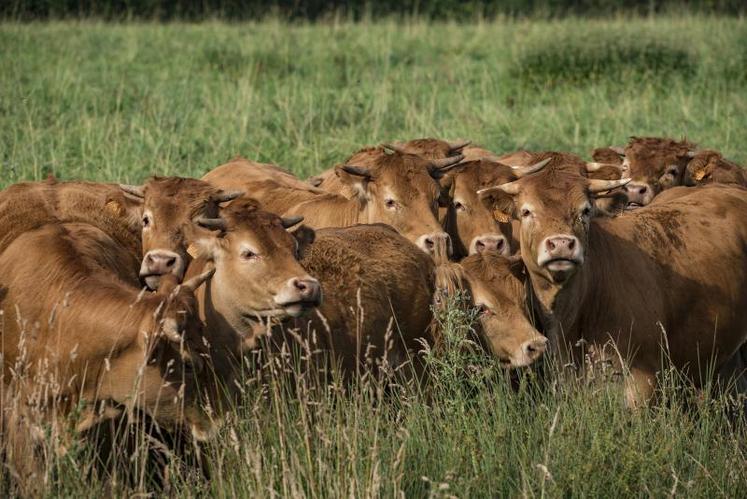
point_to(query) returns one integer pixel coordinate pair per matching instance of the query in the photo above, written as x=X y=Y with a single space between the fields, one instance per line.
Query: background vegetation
x=123 y=101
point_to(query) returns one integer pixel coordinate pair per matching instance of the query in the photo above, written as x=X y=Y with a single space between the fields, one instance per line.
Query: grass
x=121 y=102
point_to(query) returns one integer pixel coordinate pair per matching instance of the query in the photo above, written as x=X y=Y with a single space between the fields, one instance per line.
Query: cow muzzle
x=299 y=295
x=528 y=352
x=157 y=263
x=639 y=194
x=436 y=244
x=490 y=242
x=560 y=255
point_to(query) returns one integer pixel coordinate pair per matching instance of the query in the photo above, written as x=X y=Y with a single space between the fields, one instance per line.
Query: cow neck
x=332 y=210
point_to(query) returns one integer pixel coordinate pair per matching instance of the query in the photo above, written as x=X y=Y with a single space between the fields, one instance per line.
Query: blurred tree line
x=355 y=9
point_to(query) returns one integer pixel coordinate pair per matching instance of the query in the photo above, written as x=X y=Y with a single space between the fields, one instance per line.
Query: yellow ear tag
x=113 y=207
x=192 y=251
x=700 y=174
x=501 y=216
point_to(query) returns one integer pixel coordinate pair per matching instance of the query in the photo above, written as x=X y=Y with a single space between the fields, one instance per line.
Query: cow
x=82 y=335
x=495 y=285
x=654 y=164
x=469 y=219
x=473 y=153
x=708 y=166
x=397 y=189
x=669 y=275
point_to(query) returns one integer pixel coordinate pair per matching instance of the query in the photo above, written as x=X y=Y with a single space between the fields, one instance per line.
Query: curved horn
x=211 y=223
x=223 y=196
x=606 y=185
x=691 y=154
x=395 y=148
x=195 y=282
x=446 y=162
x=593 y=166
x=289 y=222
x=456 y=146
x=523 y=171
x=617 y=149
x=508 y=188
x=356 y=170
x=515 y=258
x=135 y=190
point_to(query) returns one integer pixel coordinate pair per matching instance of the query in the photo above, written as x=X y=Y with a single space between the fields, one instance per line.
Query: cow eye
x=525 y=213
x=459 y=206
x=484 y=311
x=146 y=220
x=586 y=211
x=248 y=255
x=390 y=203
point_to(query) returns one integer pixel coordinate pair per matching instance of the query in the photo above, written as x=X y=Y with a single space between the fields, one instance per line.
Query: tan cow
x=82 y=333
x=495 y=285
x=670 y=274
x=398 y=189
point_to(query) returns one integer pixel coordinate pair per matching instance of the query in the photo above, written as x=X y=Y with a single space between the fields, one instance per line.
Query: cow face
x=654 y=165
x=174 y=211
x=258 y=274
x=401 y=190
x=554 y=206
x=471 y=220
x=495 y=286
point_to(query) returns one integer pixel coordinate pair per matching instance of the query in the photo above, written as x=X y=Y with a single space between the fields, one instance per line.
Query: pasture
x=121 y=102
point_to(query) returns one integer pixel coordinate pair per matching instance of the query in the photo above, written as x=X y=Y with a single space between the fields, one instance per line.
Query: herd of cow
x=118 y=298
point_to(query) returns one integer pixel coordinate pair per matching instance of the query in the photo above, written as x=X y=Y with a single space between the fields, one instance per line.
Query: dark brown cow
x=172 y=211
x=707 y=167
x=669 y=274
x=83 y=334
x=654 y=164
x=398 y=189
x=471 y=220
x=496 y=286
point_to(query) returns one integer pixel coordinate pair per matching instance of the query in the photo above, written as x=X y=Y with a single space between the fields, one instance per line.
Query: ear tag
x=192 y=251
x=501 y=216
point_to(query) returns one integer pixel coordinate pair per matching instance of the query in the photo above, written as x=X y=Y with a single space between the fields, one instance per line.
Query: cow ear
x=447 y=186
x=355 y=177
x=205 y=243
x=305 y=236
x=124 y=207
x=611 y=205
x=501 y=203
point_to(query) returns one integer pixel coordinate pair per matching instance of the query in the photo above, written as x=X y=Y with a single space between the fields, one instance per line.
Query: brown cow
x=709 y=166
x=173 y=210
x=398 y=189
x=469 y=219
x=83 y=333
x=669 y=274
x=496 y=286
x=654 y=164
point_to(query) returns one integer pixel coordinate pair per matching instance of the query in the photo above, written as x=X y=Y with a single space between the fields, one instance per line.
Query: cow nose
x=497 y=243
x=436 y=244
x=637 y=192
x=533 y=349
x=561 y=246
x=308 y=289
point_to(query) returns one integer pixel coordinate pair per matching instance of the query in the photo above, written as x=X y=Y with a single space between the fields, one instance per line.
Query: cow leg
x=639 y=388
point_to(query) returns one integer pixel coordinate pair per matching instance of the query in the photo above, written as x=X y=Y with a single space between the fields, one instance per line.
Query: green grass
x=121 y=102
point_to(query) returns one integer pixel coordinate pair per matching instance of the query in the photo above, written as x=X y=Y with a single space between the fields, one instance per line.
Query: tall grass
x=121 y=102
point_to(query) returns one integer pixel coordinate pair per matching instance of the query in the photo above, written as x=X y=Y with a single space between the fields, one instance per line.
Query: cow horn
x=135 y=190
x=223 y=196
x=523 y=171
x=289 y=222
x=593 y=166
x=508 y=188
x=195 y=282
x=691 y=154
x=447 y=162
x=457 y=146
x=395 y=148
x=596 y=185
x=515 y=258
x=356 y=170
x=617 y=149
x=211 y=223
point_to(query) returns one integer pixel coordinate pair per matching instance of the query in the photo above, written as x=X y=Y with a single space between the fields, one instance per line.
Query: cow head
x=256 y=257
x=471 y=220
x=429 y=148
x=495 y=286
x=554 y=203
x=654 y=164
x=174 y=210
x=402 y=190
x=708 y=166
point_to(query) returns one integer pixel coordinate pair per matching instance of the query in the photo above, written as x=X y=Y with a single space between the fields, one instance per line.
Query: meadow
x=120 y=102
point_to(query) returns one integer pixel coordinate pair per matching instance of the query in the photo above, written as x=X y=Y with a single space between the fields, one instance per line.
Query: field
x=120 y=102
